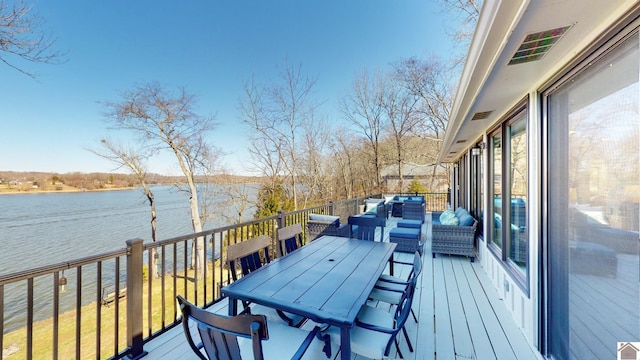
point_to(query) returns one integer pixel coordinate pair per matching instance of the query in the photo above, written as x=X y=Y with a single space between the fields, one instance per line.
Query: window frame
x=501 y=253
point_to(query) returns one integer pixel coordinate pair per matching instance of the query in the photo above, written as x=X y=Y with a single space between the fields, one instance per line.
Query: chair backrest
x=219 y=334
x=249 y=255
x=404 y=307
x=289 y=239
x=367 y=227
x=417 y=265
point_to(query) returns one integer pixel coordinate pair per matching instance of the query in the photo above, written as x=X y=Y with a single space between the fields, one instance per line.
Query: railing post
x=330 y=207
x=280 y=219
x=134 y=299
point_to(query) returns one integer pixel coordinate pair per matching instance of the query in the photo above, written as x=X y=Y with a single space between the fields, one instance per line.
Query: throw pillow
x=371 y=208
x=466 y=220
x=450 y=220
x=446 y=216
x=461 y=211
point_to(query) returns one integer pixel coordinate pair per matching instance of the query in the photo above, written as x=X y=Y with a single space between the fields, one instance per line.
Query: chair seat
x=390 y=297
x=406 y=223
x=405 y=233
x=283 y=343
x=272 y=314
x=391 y=278
x=364 y=342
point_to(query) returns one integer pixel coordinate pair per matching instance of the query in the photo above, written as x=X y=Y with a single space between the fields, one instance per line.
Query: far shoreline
x=40 y=191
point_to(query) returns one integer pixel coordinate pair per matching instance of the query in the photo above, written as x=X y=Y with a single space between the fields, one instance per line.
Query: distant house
x=434 y=177
x=546 y=119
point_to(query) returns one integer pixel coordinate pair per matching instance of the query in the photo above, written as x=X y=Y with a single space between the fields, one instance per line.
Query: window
x=496 y=180
x=517 y=212
x=477 y=194
x=508 y=154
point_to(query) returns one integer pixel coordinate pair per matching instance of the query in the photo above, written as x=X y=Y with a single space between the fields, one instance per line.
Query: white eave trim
x=476 y=71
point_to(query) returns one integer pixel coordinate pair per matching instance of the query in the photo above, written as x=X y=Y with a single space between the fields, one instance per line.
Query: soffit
x=488 y=83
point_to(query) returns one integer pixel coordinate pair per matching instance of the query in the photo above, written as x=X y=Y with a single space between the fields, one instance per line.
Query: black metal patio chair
x=247 y=336
x=289 y=239
x=366 y=227
x=251 y=255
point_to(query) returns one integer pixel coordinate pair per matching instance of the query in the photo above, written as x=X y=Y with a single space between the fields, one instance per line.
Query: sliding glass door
x=593 y=194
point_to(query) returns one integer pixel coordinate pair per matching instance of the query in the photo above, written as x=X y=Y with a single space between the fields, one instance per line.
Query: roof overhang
x=491 y=87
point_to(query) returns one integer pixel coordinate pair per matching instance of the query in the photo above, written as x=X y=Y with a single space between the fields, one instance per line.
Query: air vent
x=461 y=141
x=535 y=46
x=481 y=115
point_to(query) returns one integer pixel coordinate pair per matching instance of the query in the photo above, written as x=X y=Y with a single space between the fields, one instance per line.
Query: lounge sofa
x=319 y=225
x=454 y=233
x=376 y=207
x=396 y=205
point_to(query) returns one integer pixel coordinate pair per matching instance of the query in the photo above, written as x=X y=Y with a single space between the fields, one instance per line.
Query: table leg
x=233 y=307
x=391 y=265
x=345 y=343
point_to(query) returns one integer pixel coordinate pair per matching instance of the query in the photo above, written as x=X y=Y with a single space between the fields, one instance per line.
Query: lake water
x=49 y=228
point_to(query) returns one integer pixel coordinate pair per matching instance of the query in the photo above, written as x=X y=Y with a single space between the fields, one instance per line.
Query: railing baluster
x=78 y=310
x=99 y=306
x=56 y=313
x=175 y=279
x=150 y=275
x=30 y=318
x=1 y=318
x=196 y=270
x=186 y=271
x=162 y=282
x=205 y=271
x=116 y=310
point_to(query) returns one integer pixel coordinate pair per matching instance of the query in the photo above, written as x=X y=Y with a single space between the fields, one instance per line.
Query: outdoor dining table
x=327 y=281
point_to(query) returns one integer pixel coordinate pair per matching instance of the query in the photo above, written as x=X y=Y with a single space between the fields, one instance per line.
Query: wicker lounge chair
x=319 y=225
x=454 y=239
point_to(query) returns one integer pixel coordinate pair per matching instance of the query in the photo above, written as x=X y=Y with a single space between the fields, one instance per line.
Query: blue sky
x=209 y=47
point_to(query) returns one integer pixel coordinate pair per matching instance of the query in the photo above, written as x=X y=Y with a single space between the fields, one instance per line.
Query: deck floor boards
x=460 y=315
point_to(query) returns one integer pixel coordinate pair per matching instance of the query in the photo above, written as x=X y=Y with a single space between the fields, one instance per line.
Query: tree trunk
x=198 y=255
x=154 y=235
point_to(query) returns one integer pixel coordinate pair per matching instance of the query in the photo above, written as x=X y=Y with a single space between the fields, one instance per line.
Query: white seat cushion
x=283 y=343
x=364 y=342
x=390 y=297
x=388 y=278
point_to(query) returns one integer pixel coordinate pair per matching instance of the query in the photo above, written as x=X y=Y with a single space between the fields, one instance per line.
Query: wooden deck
x=460 y=316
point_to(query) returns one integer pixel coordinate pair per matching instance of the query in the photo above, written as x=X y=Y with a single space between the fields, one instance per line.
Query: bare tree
x=400 y=107
x=276 y=115
x=344 y=150
x=22 y=37
x=431 y=81
x=463 y=16
x=265 y=149
x=134 y=161
x=364 y=108
x=164 y=120
x=234 y=197
x=315 y=175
